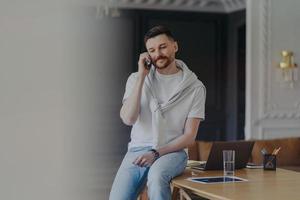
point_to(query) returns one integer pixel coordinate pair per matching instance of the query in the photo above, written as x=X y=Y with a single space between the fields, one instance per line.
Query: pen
x=276 y=151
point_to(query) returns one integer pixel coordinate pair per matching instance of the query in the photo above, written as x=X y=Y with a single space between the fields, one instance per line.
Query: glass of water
x=228 y=162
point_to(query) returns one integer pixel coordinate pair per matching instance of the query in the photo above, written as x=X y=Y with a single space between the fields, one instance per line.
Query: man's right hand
x=143 y=71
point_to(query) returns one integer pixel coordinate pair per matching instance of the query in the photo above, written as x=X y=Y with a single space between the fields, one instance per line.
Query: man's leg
x=162 y=171
x=130 y=178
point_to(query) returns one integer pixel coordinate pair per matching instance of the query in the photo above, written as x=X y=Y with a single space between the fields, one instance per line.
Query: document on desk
x=195 y=164
x=192 y=163
x=216 y=179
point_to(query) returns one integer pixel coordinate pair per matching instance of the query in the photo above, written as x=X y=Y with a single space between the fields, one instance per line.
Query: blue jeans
x=131 y=179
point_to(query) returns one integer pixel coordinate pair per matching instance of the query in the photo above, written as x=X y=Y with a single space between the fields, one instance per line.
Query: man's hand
x=145 y=160
x=143 y=71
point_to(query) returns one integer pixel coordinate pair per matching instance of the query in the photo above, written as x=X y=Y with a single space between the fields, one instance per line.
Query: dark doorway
x=241 y=69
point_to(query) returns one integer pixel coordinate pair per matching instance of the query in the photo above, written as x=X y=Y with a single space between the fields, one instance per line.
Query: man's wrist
x=141 y=76
x=155 y=153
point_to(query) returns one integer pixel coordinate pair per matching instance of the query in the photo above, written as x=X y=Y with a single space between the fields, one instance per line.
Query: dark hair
x=158 y=30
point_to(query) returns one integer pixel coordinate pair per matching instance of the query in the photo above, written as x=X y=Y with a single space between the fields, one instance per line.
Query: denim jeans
x=131 y=179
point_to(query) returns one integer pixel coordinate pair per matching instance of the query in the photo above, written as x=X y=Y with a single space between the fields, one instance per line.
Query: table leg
x=175 y=193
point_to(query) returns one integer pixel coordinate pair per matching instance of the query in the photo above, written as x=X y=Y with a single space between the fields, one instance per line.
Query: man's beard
x=165 y=65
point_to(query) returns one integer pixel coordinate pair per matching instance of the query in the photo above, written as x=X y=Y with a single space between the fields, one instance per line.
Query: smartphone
x=148 y=63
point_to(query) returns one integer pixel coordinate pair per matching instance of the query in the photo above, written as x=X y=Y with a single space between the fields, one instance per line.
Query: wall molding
x=269 y=113
x=222 y=6
x=277 y=132
x=270 y=110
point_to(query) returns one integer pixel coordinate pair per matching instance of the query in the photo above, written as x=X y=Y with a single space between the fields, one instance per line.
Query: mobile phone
x=148 y=63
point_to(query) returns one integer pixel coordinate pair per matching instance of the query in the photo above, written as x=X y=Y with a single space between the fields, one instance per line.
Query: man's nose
x=157 y=54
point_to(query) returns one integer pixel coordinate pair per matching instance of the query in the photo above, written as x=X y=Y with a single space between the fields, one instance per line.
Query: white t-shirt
x=193 y=106
x=164 y=85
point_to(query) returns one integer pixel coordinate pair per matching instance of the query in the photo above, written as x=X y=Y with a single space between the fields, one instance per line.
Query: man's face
x=161 y=50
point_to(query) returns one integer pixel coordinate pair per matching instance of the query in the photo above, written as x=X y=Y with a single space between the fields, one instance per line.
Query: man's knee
x=158 y=178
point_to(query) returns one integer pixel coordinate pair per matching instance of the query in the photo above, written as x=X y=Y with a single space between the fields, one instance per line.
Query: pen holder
x=269 y=162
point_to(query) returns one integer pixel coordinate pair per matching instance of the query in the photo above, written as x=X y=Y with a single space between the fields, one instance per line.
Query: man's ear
x=176 y=46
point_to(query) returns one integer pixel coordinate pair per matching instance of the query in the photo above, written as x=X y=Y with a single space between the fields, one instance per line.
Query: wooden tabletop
x=261 y=184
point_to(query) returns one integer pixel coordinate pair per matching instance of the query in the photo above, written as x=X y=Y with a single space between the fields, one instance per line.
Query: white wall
x=62 y=76
x=272 y=107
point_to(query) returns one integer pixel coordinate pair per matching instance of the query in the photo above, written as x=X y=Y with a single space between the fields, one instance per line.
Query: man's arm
x=131 y=107
x=183 y=141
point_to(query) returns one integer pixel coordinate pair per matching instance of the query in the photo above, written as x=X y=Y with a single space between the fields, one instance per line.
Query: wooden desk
x=261 y=184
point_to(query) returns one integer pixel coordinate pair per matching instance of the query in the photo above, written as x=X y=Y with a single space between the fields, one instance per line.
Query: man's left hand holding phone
x=144 y=64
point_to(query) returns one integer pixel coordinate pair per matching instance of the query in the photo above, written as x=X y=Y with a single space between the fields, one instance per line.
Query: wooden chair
x=177 y=192
x=143 y=194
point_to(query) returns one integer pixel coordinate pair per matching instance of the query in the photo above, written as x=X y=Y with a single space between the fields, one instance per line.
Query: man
x=164 y=102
